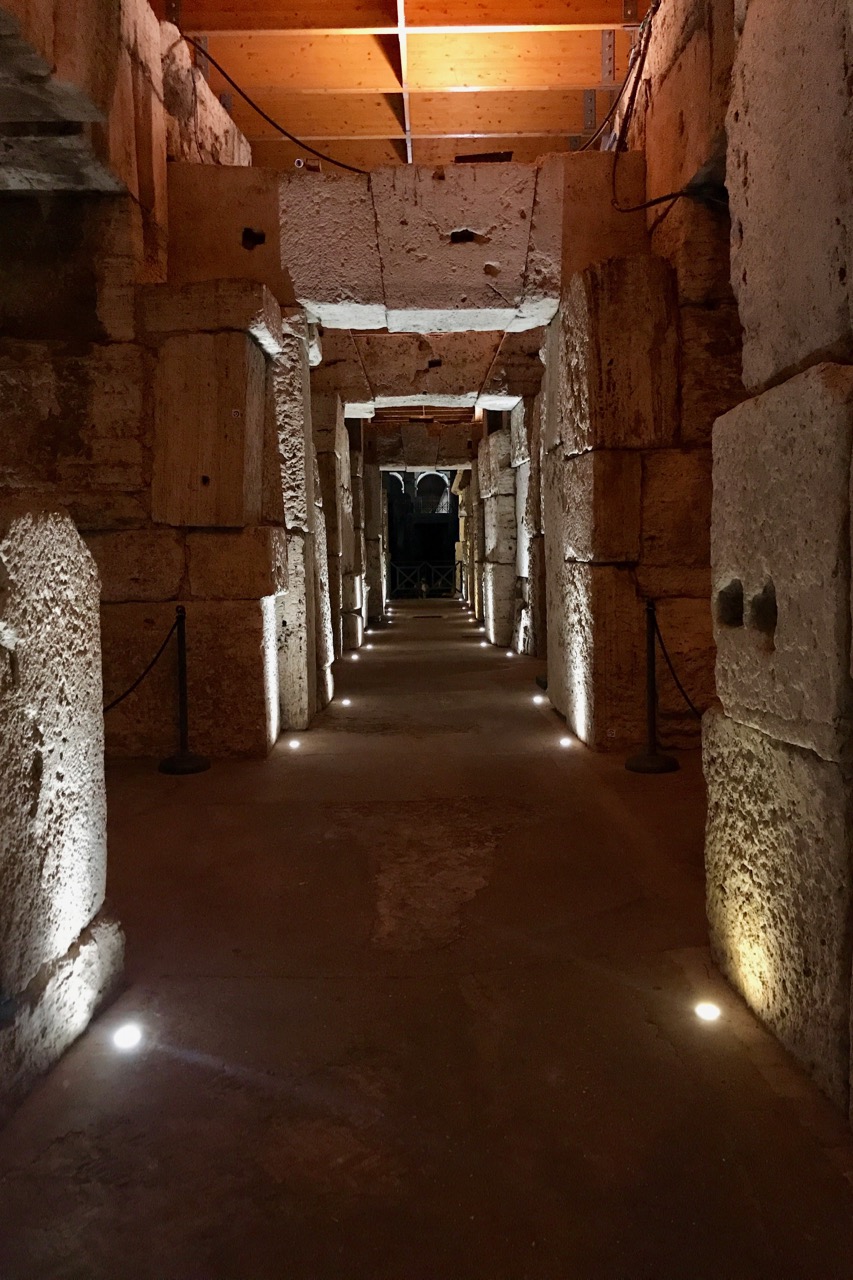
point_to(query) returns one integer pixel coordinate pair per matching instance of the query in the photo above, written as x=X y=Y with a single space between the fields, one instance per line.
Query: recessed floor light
x=128 y=1036
x=294 y=744
x=510 y=653
x=368 y=646
x=565 y=742
x=707 y=1011
x=354 y=657
x=484 y=644
x=538 y=699
x=346 y=702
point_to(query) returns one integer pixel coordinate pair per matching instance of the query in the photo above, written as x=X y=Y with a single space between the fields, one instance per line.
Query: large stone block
x=209 y=306
x=329 y=242
x=295 y=627
x=224 y=223
x=289 y=425
x=499 y=582
x=232 y=677
x=596 y=653
x=53 y=814
x=779 y=890
x=139 y=564
x=790 y=181
x=676 y=507
x=501 y=528
x=616 y=353
x=593 y=230
x=237 y=564
x=210 y=394
x=781 y=560
x=711 y=377
x=592 y=503
x=198 y=128
x=687 y=629
x=453 y=244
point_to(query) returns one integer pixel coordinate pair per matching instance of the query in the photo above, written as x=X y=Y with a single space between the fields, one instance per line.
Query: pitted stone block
x=781 y=560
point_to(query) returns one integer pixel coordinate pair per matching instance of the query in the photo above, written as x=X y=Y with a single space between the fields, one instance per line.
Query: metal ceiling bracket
x=608 y=57
x=589 y=109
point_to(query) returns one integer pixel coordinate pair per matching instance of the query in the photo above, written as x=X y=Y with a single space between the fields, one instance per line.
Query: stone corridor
x=417 y=1004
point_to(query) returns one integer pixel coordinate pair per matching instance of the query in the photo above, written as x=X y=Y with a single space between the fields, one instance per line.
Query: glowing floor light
x=707 y=1011
x=354 y=657
x=510 y=653
x=128 y=1036
x=368 y=646
x=294 y=744
x=538 y=699
x=484 y=644
x=565 y=742
x=346 y=702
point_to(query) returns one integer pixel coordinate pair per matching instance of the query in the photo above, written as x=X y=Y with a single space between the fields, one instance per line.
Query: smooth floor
x=417 y=1003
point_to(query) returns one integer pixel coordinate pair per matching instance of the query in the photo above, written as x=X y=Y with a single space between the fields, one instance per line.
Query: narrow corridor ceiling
x=379 y=82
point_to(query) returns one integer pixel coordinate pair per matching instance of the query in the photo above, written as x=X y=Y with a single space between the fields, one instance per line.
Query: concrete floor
x=417 y=1005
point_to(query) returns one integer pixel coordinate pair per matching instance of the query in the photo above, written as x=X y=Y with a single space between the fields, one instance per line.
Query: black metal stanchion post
x=184 y=761
x=651 y=760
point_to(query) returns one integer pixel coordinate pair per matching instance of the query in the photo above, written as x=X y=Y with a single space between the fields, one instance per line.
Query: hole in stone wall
x=251 y=239
x=464 y=235
x=730 y=605
x=763 y=613
x=434 y=364
x=205 y=480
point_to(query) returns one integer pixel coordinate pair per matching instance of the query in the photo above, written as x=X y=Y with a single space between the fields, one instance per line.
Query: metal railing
x=424 y=579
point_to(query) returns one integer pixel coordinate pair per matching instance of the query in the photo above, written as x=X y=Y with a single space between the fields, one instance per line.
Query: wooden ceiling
x=375 y=82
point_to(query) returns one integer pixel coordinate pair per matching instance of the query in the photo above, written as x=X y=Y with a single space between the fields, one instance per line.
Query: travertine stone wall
x=354 y=590
x=333 y=463
x=496 y=479
x=626 y=500
x=198 y=128
x=777 y=757
x=375 y=545
x=529 y=622
x=60 y=955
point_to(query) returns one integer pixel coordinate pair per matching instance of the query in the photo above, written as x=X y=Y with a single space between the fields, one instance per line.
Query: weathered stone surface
x=616 y=381
x=681 y=128
x=515 y=371
x=790 y=170
x=676 y=507
x=596 y=676
x=593 y=230
x=779 y=890
x=500 y=525
x=139 y=564
x=295 y=629
x=710 y=359
x=210 y=306
x=543 y=269
x=211 y=210
x=342 y=373
x=789 y=675
x=499 y=583
x=198 y=128
x=522 y=527
x=323 y=632
x=329 y=242
x=210 y=391
x=434 y=282
x=687 y=629
x=593 y=504
x=289 y=407
x=232 y=667
x=238 y=564
x=495 y=474
x=519 y=450
x=436 y=369
x=53 y=806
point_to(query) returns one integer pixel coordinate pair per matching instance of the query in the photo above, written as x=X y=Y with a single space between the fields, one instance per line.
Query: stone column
x=60 y=955
x=497 y=486
x=374 y=523
x=477 y=552
x=354 y=595
x=332 y=445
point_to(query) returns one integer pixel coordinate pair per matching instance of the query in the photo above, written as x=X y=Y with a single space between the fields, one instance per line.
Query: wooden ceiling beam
x=534 y=60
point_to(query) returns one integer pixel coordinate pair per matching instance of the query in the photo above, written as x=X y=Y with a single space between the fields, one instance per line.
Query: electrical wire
x=199 y=48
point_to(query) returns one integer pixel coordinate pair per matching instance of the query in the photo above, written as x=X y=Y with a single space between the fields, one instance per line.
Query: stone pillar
x=477 y=551
x=497 y=487
x=374 y=527
x=60 y=956
x=354 y=594
x=332 y=445
x=626 y=507
x=777 y=757
x=324 y=631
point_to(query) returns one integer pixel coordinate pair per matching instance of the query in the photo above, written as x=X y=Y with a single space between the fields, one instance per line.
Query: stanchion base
x=655 y=763
x=184 y=763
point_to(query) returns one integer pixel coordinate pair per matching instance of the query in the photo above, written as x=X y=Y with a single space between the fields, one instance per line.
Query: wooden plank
x=287 y=15
x=328 y=115
x=314 y=64
x=520 y=13
x=445 y=150
x=533 y=60
x=454 y=114
x=364 y=154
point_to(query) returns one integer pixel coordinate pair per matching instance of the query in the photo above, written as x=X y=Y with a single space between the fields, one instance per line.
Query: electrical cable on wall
x=340 y=164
